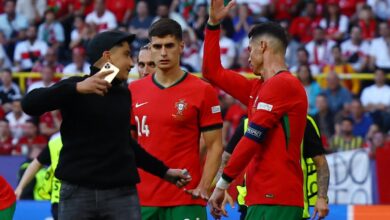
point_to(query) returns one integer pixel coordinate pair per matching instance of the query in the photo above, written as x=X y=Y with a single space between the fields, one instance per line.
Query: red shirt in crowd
x=303 y=28
x=368 y=29
x=119 y=8
x=282 y=9
x=277 y=111
x=6 y=146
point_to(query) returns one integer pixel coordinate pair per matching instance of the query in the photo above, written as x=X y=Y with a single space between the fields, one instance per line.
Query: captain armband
x=255 y=132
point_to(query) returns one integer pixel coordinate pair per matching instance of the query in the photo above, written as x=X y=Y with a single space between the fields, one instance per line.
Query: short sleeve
x=312 y=144
x=44 y=156
x=210 y=110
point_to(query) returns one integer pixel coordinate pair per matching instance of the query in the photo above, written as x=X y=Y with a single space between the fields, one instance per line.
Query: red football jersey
x=169 y=122
x=277 y=111
x=7 y=195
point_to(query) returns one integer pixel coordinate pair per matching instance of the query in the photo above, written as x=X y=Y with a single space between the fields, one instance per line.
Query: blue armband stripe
x=255 y=132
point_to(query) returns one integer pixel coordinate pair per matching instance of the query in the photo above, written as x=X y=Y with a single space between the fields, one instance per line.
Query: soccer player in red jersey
x=171 y=109
x=277 y=108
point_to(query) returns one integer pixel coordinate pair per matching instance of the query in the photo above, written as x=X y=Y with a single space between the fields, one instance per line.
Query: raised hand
x=95 y=84
x=218 y=11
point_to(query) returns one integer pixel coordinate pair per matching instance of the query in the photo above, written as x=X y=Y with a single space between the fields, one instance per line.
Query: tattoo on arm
x=322 y=175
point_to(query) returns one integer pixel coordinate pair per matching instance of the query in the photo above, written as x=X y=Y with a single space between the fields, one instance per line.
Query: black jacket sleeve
x=312 y=144
x=147 y=162
x=238 y=133
x=44 y=156
x=43 y=100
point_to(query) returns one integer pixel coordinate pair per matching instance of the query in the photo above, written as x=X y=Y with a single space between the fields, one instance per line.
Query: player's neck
x=273 y=67
x=167 y=78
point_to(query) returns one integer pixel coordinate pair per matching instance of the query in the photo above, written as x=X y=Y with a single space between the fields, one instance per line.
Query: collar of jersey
x=174 y=84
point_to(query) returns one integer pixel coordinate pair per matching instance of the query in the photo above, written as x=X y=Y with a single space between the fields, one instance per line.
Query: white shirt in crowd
x=23 y=49
x=72 y=69
x=17 y=125
x=105 y=22
x=26 y=8
x=381 y=51
x=376 y=95
x=322 y=52
x=349 y=48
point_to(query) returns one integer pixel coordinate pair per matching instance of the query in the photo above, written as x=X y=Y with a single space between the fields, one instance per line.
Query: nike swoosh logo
x=139 y=105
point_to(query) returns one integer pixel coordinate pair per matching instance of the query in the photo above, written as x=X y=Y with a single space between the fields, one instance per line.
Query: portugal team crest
x=180 y=106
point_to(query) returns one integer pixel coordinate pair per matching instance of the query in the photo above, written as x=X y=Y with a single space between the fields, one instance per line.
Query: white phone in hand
x=109 y=66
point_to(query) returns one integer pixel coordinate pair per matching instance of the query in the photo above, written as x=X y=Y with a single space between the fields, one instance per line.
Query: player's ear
x=181 y=46
x=263 y=45
x=106 y=56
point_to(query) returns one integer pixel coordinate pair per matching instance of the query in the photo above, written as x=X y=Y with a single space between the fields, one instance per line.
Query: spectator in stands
x=242 y=23
x=378 y=140
x=49 y=123
x=17 y=120
x=200 y=20
x=51 y=31
x=9 y=91
x=334 y=23
x=32 y=10
x=122 y=10
x=367 y=23
x=355 y=50
x=302 y=27
x=47 y=79
x=377 y=97
x=50 y=59
x=311 y=87
x=362 y=121
x=29 y=51
x=380 y=48
x=82 y=33
x=381 y=8
x=242 y=64
x=228 y=49
x=190 y=55
x=32 y=142
x=163 y=11
x=145 y=63
x=82 y=8
x=325 y=118
x=12 y=25
x=79 y=64
x=303 y=60
x=6 y=146
x=345 y=140
x=4 y=59
x=336 y=94
x=139 y=25
x=283 y=9
x=349 y=7
x=101 y=17
x=319 y=48
x=339 y=66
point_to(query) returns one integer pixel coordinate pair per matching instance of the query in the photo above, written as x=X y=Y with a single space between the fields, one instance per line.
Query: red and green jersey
x=169 y=122
x=277 y=111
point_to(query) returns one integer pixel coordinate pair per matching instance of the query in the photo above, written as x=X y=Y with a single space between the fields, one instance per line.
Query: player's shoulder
x=197 y=81
x=140 y=82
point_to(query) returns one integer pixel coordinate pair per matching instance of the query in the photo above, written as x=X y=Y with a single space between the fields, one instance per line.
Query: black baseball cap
x=105 y=41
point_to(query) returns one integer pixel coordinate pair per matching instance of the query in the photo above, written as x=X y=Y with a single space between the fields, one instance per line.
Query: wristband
x=222 y=184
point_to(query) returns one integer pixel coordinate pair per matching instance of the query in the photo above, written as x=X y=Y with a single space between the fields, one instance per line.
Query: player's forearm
x=322 y=175
x=29 y=174
x=240 y=158
x=213 y=161
x=225 y=159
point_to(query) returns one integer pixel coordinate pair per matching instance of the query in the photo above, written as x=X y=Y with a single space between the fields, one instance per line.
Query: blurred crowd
x=327 y=37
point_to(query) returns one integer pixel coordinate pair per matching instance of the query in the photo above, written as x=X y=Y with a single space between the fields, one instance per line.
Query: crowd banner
x=350 y=177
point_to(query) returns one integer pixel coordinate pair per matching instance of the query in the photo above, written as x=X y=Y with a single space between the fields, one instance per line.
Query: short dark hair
x=270 y=28
x=303 y=49
x=6 y=70
x=347 y=119
x=164 y=27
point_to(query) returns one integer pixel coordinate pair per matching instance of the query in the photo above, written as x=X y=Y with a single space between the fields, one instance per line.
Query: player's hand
x=227 y=199
x=178 y=177
x=95 y=84
x=218 y=11
x=321 y=208
x=215 y=203
x=199 y=193
x=18 y=192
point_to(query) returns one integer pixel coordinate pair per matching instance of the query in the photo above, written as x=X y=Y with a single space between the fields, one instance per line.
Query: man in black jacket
x=98 y=162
